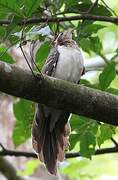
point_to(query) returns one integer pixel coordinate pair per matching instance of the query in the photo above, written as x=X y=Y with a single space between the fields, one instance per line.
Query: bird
x=50 y=128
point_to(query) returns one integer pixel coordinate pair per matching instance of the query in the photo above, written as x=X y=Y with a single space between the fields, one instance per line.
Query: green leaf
x=56 y=5
x=11 y=6
x=14 y=39
x=101 y=10
x=112 y=91
x=76 y=122
x=96 y=45
x=80 y=124
x=53 y=27
x=4 y=56
x=85 y=44
x=87 y=144
x=82 y=128
x=70 y=3
x=85 y=82
x=2 y=33
x=73 y=2
x=30 y=6
x=107 y=75
x=24 y=113
x=89 y=44
x=73 y=139
x=73 y=6
x=92 y=28
x=84 y=7
x=2 y=13
x=105 y=133
x=42 y=54
x=10 y=28
x=88 y=84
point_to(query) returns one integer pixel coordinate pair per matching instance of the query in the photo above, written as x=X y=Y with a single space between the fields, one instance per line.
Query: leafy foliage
x=11 y=6
x=24 y=114
x=83 y=130
x=112 y=91
x=93 y=42
x=89 y=134
x=83 y=6
x=4 y=56
x=30 y=7
x=105 y=132
x=42 y=54
x=87 y=144
x=107 y=76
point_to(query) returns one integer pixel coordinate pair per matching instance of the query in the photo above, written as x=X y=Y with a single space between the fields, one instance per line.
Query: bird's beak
x=55 y=40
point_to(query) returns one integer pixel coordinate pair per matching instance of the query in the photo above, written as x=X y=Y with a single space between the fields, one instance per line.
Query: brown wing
x=51 y=63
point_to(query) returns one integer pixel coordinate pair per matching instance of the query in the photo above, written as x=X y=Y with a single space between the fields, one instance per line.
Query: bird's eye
x=61 y=34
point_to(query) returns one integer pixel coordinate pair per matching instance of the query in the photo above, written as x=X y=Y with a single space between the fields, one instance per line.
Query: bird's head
x=64 y=38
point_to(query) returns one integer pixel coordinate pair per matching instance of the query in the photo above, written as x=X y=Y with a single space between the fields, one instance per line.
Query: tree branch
x=98 y=152
x=68 y=155
x=65 y=18
x=7 y=152
x=8 y=170
x=59 y=94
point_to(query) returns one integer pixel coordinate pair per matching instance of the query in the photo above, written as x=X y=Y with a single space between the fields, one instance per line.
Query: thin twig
x=3 y=148
x=104 y=58
x=97 y=152
x=25 y=57
x=26 y=60
x=62 y=19
x=68 y=155
x=114 y=141
x=32 y=59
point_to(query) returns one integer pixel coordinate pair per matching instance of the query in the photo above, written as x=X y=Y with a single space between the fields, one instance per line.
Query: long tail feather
x=49 y=143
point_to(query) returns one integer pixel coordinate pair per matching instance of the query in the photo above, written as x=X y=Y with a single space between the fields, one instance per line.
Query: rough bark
x=59 y=94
